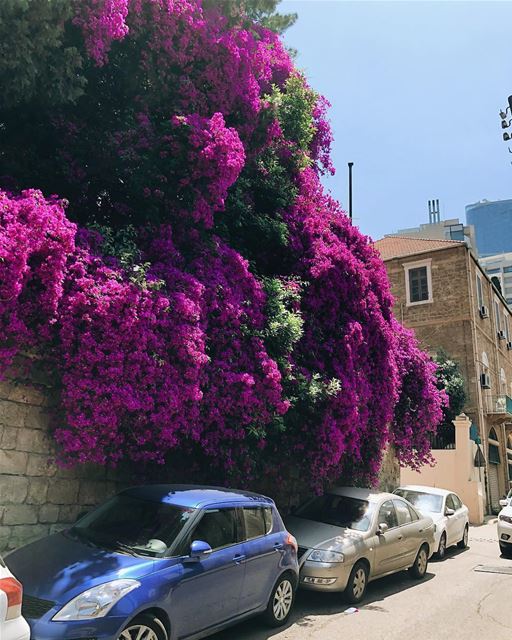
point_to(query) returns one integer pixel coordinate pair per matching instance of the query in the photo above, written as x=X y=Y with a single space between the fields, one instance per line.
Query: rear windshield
x=340 y=511
x=423 y=501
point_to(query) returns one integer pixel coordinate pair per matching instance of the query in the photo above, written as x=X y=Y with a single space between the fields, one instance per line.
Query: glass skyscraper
x=493 y=226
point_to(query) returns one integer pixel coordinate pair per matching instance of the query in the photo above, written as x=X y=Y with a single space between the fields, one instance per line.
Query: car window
x=257 y=521
x=414 y=514
x=428 y=502
x=450 y=504
x=387 y=514
x=2 y=563
x=340 y=511
x=456 y=501
x=402 y=512
x=217 y=527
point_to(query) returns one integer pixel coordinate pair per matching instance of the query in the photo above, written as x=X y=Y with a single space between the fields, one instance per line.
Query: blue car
x=160 y=562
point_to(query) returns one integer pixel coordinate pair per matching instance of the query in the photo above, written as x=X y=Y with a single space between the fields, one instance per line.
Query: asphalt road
x=453 y=601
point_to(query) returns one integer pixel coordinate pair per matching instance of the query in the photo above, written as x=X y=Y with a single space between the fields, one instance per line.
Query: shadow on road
x=310 y=604
x=451 y=553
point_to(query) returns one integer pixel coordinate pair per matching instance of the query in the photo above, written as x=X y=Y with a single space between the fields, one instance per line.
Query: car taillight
x=14 y=592
x=292 y=542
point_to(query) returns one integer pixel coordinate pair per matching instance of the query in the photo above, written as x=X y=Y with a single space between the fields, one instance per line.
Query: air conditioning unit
x=484 y=311
x=509 y=346
x=501 y=334
x=485 y=381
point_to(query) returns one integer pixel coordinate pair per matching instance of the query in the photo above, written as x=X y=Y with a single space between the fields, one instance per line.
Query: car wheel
x=419 y=568
x=144 y=627
x=357 y=583
x=441 y=550
x=462 y=544
x=505 y=549
x=281 y=601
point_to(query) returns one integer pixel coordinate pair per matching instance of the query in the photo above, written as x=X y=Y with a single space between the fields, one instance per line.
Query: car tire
x=280 y=603
x=462 y=544
x=441 y=550
x=419 y=568
x=357 y=583
x=155 y=629
x=506 y=549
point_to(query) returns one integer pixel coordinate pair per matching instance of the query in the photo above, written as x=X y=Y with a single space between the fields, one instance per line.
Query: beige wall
x=454 y=470
x=37 y=497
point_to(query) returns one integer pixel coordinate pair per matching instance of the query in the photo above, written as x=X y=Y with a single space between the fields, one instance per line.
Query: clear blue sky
x=415 y=89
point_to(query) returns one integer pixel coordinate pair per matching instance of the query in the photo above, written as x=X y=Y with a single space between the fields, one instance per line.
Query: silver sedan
x=350 y=536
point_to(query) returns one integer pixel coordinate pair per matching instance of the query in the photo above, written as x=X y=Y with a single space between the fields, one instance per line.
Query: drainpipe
x=479 y=398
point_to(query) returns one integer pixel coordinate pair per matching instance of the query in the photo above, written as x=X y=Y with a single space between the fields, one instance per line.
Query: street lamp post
x=350 y=165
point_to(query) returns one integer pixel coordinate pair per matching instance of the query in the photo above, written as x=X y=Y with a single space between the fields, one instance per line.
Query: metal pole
x=350 y=165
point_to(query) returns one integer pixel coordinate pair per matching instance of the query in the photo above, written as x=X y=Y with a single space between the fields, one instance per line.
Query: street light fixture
x=506 y=136
x=505 y=124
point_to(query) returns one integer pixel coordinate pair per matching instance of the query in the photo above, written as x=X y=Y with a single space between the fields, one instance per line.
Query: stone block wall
x=36 y=496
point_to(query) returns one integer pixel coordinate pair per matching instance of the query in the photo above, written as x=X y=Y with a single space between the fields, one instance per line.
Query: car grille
x=35 y=607
x=301 y=551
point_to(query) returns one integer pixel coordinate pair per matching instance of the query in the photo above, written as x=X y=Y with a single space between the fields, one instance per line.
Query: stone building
x=443 y=293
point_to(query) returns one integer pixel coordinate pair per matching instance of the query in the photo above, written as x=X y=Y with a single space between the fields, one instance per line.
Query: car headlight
x=321 y=555
x=506 y=519
x=95 y=602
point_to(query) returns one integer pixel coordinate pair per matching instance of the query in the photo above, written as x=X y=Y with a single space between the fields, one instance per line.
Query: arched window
x=493 y=435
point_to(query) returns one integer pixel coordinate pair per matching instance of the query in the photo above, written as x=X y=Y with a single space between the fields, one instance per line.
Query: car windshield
x=430 y=502
x=341 y=511
x=133 y=525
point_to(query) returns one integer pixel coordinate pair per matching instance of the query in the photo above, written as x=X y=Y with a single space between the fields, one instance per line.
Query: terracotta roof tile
x=399 y=246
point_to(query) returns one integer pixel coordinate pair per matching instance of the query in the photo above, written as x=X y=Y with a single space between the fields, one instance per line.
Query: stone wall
x=37 y=497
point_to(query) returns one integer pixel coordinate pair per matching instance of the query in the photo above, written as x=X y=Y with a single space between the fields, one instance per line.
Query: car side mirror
x=382 y=528
x=503 y=503
x=198 y=550
x=449 y=512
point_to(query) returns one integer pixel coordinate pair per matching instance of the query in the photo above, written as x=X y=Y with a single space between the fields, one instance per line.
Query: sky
x=416 y=89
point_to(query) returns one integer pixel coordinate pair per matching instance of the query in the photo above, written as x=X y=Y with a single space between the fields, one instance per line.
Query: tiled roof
x=400 y=246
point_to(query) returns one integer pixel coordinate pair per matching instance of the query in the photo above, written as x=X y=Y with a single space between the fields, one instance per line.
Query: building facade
x=500 y=267
x=492 y=221
x=443 y=293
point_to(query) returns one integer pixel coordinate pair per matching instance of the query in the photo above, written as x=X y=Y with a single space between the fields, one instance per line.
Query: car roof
x=424 y=489
x=371 y=495
x=193 y=496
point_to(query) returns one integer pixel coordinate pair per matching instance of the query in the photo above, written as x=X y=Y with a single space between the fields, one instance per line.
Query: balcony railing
x=499 y=405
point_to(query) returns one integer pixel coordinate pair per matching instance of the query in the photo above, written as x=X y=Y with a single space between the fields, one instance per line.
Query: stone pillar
x=470 y=488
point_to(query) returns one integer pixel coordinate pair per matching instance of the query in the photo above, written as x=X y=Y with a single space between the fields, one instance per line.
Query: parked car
x=450 y=516
x=505 y=526
x=12 y=624
x=158 y=563
x=349 y=536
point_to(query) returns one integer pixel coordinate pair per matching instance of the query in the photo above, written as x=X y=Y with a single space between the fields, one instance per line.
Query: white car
x=505 y=525
x=12 y=624
x=450 y=516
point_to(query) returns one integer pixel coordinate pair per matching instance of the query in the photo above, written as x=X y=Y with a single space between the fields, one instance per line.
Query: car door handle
x=278 y=545
x=239 y=559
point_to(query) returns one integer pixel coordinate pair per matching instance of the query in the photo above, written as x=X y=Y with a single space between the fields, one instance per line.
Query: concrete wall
x=36 y=497
x=454 y=470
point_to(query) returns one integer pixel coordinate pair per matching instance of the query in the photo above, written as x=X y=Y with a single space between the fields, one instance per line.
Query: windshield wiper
x=121 y=546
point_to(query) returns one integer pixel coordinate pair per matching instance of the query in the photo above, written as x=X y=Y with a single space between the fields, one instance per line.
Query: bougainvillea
x=201 y=301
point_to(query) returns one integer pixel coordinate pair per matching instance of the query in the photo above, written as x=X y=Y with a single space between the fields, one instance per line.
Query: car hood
x=435 y=515
x=318 y=535
x=59 y=568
